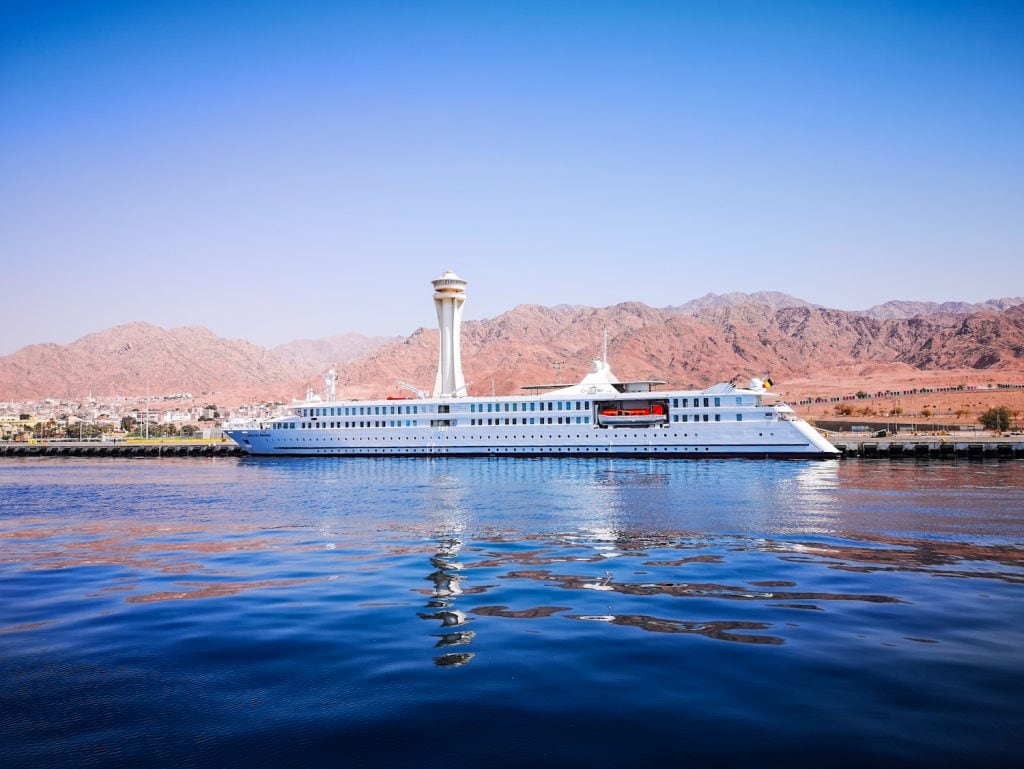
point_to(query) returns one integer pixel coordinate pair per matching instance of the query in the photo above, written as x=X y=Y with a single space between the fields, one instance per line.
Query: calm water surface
x=444 y=613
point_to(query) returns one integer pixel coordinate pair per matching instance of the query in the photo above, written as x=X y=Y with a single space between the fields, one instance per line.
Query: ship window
x=686 y=417
x=551 y=407
x=705 y=417
x=533 y=420
x=675 y=403
x=675 y=417
x=515 y=407
x=718 y=417
x=489 y=408
x=739 y=401
x=533 y=407
x=586 y=420
x=718 y=401
x=579 y=420
x=506 y=407
x=578 y=406
x=506 y=418
x=705 y=406
x=686 y=402
x=739 y=417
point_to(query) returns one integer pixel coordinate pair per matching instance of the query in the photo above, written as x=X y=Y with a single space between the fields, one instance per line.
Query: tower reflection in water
x=447 y=589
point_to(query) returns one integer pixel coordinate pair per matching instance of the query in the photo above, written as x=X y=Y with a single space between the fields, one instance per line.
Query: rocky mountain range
x=904 y=309
x=307 y=354
x=897 y=308
x=689 y=345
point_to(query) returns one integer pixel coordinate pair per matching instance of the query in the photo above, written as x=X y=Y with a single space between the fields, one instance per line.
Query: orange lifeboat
x=649 y=415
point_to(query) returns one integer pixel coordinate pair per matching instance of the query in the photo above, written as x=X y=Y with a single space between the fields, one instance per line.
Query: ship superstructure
x=599 y=416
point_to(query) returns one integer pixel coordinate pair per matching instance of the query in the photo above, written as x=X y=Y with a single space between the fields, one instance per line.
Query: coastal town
x=113 y=418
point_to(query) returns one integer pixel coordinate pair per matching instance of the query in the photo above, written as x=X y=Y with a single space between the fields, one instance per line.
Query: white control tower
x=449 y=296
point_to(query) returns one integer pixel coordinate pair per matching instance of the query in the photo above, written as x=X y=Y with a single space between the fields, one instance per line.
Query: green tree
x=189 y=430
x=90 y=430
x=996 y=418
x=128 y=423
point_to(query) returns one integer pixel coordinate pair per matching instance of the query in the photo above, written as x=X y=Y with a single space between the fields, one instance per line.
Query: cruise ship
x=599 y=416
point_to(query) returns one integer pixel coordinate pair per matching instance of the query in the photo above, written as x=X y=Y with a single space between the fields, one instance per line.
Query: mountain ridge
x=708 y=342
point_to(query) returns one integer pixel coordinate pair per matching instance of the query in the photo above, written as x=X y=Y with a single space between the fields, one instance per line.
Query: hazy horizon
x=296 y=170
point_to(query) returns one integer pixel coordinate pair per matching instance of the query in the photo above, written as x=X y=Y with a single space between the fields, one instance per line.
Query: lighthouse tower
x=449 y=296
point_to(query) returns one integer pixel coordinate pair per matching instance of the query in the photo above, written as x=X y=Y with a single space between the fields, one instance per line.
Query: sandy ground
x=956 y=407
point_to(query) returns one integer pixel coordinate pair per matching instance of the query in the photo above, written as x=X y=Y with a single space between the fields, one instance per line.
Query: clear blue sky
x=275 y=170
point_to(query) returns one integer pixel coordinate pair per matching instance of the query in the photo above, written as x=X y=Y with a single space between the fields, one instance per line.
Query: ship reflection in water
x=342 y=590
x=441 y=606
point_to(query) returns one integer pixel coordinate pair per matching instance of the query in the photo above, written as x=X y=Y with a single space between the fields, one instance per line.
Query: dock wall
x=928 y=448
x=119 y=450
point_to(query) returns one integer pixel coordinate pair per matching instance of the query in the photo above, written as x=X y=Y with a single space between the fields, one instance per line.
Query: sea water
x=553 y=612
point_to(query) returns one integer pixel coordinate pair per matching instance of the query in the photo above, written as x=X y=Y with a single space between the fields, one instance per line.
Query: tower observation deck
x=449 y=297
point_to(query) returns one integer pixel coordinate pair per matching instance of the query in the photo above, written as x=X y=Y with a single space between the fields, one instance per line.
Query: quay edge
x=930 y=448
x=120 y=450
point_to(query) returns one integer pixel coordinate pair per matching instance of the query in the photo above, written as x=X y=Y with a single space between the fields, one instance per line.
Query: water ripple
x=206 y=614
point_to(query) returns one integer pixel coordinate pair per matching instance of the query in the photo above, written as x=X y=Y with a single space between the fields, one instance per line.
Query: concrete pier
x=101 y=449
x=928 y=447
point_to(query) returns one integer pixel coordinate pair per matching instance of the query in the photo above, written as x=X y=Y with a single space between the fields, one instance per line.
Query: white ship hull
x=352 y=428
